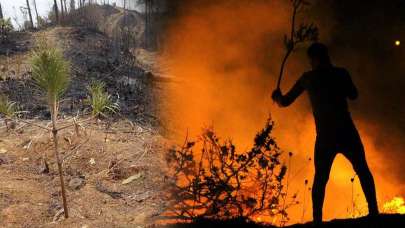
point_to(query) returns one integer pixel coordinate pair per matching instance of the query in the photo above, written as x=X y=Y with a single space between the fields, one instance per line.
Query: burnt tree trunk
x=72 y=5
x=30 y=14
x=1 y=12
x=148 y=22
x=55 y=5
x=64 y=4
x=36 y=12
x=61 y=9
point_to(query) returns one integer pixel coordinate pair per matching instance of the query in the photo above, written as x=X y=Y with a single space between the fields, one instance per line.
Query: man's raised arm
x=289 y=98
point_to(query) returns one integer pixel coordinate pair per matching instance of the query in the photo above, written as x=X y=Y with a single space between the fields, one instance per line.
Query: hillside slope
x=113 y=169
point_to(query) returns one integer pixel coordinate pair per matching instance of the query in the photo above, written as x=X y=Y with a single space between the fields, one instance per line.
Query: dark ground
x=383 y=221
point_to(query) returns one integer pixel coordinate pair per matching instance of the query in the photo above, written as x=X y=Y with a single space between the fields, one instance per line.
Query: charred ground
x=113 y=169
x=393 y=220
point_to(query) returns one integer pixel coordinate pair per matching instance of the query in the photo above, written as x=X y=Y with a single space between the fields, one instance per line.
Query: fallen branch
x=103 y=189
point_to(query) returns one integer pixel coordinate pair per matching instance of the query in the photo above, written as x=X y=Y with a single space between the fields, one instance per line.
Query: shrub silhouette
x=213 y=180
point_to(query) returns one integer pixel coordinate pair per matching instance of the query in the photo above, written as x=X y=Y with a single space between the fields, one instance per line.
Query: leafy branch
x=304 y=33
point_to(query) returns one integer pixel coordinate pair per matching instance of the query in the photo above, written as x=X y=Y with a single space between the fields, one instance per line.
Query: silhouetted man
x=328 y=88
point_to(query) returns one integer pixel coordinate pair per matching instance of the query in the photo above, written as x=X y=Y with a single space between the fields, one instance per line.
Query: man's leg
x=323 y=163
x=356 y=156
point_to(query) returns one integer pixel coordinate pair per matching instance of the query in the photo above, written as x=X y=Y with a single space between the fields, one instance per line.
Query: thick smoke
x=225 y=56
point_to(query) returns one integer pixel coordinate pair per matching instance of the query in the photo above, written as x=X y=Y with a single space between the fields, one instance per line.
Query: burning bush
x=218 y=182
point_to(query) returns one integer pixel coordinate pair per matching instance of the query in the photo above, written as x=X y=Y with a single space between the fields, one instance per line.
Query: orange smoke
x=224 y=58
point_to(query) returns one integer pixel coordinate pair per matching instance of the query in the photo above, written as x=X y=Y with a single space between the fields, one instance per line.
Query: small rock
x=26 y=159
x=76 y=183
x=3 y=151
x=92 y=161
x=132 y=178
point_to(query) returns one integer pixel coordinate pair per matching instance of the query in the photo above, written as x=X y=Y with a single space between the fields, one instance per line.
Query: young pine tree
x=50 y=73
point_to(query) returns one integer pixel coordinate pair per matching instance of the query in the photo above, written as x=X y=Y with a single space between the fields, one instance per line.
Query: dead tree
x=148 y=22
x=64 y=3
x=36 y=12
x=29 y=14
x=72 y=5
x=62 y=10
x=55 y=7
x=1 y=12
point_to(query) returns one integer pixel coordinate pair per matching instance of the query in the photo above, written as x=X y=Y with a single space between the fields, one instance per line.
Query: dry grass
x=135 y=150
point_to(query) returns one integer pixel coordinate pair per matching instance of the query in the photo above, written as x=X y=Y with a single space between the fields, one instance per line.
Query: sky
x=12 y=8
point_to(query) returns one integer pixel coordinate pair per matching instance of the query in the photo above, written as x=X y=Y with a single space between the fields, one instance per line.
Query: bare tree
x=64 y=3
x=148 y=21
x=1 y=12
x=62 y=10
x=72 y=5
x=36 y=11
x=55 y=6
x=29 y=14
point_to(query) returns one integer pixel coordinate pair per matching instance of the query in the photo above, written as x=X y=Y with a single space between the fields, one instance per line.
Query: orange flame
x=225 y=58
x=395 y=206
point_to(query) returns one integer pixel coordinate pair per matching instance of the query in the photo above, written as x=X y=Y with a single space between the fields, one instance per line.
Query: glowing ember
x=397 y=43
x=396 y=205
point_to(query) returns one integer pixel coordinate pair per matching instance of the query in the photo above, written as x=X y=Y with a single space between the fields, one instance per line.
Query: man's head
x=318 y=55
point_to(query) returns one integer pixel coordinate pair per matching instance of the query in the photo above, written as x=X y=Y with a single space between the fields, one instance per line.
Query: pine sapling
x=50 y=73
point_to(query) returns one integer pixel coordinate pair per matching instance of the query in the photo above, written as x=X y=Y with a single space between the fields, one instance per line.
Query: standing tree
x=36 y=12
x=148 y=22
x=1 y=12
x=50 y=72
x=62 y=10
x=72 y=5
x=64 y=4
x=55 y=7
x=30 y=14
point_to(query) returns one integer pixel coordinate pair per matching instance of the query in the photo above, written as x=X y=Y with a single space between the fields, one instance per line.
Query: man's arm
x=349 y=87
x=289 y=98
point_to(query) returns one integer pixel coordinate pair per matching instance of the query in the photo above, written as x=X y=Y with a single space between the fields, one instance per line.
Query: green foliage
x=7 y=108
x=5 y=28
x=100 y=101
x=50 y=72
x=6 y=24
